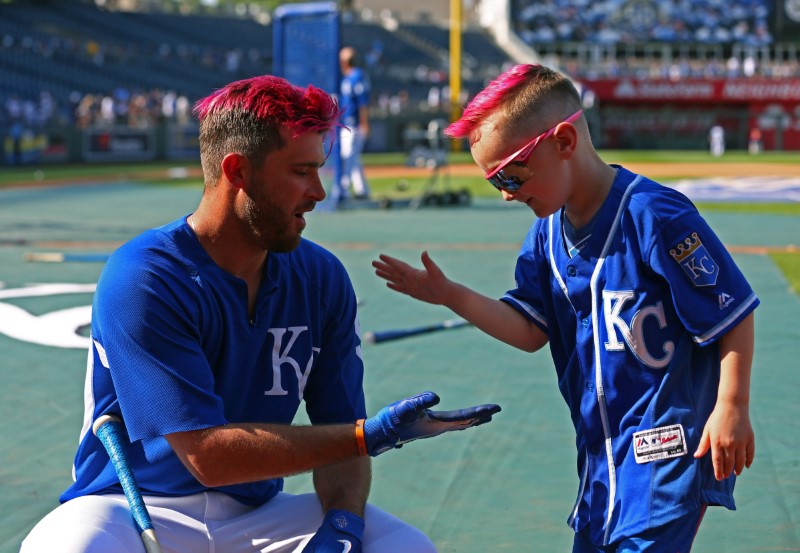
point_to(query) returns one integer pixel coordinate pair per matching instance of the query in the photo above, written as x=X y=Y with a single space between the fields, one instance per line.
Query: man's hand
x=341 y=532
x=411 y=419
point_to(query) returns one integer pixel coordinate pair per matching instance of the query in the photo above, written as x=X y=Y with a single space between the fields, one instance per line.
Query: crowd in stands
x=62 y=77
x=135 y=109
x=625 y=21
x=678 y=69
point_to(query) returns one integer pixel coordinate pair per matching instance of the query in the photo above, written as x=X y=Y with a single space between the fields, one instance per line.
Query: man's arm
x=728 y=432
x=342 y=490
x=363 y=121
x=237 y=453
x=496 y=318
x=344 y=485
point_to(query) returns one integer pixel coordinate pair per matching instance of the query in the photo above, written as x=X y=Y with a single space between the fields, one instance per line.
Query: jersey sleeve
x=709 y=291
x=527 y=297
x=334 y=393
x=143 y=335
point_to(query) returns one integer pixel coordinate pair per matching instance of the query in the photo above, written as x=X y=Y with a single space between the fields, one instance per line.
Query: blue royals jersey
x=633 y=321
x=355 y=90
x=173 y=349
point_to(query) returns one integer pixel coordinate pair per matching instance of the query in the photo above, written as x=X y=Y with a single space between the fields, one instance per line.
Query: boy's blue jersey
x=633 y=322
x=173 y=349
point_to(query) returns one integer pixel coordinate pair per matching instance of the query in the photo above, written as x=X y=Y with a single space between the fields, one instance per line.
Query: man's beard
x=270 y=226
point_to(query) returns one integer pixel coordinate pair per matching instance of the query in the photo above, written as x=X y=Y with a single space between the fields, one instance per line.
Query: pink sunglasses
x=512 y=183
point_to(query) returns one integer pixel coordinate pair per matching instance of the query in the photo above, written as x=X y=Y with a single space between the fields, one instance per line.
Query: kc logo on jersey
x=696 y=261
x=280 y=357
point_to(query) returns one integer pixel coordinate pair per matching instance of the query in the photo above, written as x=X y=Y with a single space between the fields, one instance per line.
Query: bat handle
x=108 y=429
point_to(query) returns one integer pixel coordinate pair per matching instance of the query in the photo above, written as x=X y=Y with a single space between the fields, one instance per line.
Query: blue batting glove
x=341 y=532
x=410 y=419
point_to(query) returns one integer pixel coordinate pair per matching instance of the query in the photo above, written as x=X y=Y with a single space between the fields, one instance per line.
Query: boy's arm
x=728 y=433
x=494 y=317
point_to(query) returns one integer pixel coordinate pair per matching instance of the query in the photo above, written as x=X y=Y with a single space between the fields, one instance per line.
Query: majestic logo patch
x=725 y=300
x=659 y=443
x=696 y=261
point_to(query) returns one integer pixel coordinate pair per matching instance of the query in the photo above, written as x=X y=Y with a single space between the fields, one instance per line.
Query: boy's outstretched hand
x=429 y=284
x=411 y=419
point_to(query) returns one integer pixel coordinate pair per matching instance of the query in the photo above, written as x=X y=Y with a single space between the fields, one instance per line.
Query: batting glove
x=341 y=532
x=411 y=419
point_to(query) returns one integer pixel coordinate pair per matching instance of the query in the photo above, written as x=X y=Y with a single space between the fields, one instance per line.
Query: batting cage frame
x=306 y=40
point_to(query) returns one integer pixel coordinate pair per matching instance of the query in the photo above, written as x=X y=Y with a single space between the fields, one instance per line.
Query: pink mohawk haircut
x=275 y=100
x=487 y=100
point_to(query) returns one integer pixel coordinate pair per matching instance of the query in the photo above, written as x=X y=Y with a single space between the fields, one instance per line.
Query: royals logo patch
x=696 y=261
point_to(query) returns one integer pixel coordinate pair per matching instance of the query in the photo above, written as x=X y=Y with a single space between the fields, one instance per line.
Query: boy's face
x=535 y=176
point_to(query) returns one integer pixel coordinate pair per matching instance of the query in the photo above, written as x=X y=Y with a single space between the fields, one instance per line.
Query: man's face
x=283 y=190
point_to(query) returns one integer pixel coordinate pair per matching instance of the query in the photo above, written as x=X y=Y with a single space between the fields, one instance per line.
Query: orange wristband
x=360 y=442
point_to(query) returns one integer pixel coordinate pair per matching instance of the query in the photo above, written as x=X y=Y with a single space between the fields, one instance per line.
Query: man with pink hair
x=207 y=335
x=648 y=319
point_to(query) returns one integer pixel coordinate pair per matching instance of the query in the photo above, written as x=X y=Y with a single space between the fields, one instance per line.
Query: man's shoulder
x=313 y=256
x=156 y=249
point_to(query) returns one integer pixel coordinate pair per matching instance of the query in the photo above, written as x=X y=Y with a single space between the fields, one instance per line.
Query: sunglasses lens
x=497 y=182
x=502 y=182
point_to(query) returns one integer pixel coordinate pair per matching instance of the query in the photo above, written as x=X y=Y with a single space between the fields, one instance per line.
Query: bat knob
x=101 y=420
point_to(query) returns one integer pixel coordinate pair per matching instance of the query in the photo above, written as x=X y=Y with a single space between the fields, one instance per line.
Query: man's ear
x=236 y=169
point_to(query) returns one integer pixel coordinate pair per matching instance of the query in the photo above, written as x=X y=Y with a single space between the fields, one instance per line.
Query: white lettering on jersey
x=633 y=335
x=613 y=302
x=280 y=355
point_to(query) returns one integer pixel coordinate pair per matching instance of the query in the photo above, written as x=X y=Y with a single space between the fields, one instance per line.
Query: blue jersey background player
x=354 y=97
x=207 y=335
x=649 y=321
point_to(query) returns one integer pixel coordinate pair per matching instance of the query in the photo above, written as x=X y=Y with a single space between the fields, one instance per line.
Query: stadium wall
x=633 y=113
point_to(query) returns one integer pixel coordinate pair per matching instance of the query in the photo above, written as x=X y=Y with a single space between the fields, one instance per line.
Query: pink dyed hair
x=519 y=92
x=274 y=100
x=247 y=117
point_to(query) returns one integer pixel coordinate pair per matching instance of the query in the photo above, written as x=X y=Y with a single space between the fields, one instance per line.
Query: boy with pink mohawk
x=648 y=319
x=207 y=335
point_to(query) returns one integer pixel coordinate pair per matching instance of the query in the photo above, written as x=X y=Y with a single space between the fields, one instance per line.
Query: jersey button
x=590 y=385
x=571 y=271
x=585 y=322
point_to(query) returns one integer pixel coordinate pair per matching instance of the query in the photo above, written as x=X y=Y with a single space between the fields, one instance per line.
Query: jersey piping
x=598 y=377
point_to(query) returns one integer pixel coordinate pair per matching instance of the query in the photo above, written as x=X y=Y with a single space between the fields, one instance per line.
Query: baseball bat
x=61 y=257
x=108 y=429
x=380 y=336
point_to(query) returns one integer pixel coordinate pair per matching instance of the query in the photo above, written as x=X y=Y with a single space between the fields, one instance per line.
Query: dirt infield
x=653 y=170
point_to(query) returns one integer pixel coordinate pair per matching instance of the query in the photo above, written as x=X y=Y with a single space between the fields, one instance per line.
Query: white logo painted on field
x=57 y=328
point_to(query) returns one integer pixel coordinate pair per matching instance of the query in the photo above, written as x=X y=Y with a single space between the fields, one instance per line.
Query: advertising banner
x=183 y=141
x=119 y=144
x=717 y=91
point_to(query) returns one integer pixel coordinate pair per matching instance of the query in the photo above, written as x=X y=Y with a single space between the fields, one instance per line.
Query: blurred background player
x=207 y=335
x=354 y=100
x=716 y=140
x=649 y=320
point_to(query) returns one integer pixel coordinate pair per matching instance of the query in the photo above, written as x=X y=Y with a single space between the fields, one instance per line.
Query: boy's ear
x=236 y=169
x=566 y=139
